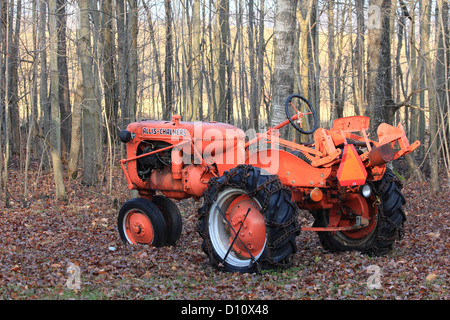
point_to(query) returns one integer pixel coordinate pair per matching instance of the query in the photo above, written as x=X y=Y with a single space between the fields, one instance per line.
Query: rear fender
x=292 y=171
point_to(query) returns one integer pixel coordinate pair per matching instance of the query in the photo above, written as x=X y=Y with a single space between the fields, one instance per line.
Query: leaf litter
x=40 y=240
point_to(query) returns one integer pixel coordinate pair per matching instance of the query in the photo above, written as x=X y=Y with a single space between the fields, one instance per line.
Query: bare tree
x=90 y=148
x=111 y=104
x=13 y=75
x=222 y=31
x=8 y=47
x=63 y=73
x=193 y=113
x=55 y=145
x=381 y=107
x=168 y=104
x=75 y=144
x=132 y=61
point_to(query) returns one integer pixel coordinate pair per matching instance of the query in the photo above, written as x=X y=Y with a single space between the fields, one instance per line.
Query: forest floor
x=42 y=238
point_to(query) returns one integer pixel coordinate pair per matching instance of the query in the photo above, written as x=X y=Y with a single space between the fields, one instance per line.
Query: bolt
x=137 y=229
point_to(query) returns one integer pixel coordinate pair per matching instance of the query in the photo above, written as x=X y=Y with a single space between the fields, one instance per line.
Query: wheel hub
x=246 y=219
x=359 y=205
x=139 y=228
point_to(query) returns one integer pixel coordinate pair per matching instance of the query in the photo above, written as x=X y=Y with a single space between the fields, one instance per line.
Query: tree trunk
x=196 y=63
x=359 y=59
x=381 y=107
x=331 y=56
x=443 y=84
x=251 y=65
x=13 y=78
x=132 y=61
x=3 y=20
x=43 y=91
x=55 y=145
x=306 y=16
x=260 y=58
x=303 y=16
x=75 y=144
x=168 y=104
x=122 y=77
x=440 y=94
x=374 y=30
x=155 y=54
x=64 y=90
x=33 y=93
x=313 y=59
x=8 y=47
x=111 y=105
x=283 y=77
x=221 y=42
x=241 y=62
x=89 y=99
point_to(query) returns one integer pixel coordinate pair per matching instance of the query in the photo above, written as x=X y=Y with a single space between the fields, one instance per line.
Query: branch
x=405 y=103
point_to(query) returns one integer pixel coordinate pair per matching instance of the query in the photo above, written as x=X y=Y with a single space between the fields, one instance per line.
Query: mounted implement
x=253 y=189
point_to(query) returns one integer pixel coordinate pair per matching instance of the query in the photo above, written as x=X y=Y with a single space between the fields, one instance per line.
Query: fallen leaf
x=16 y=268
x=432 y=276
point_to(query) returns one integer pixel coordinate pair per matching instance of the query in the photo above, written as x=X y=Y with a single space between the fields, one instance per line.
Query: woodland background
x=75 y=73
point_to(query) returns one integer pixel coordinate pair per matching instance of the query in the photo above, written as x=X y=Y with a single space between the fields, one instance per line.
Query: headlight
x=126 y=136
x=366 y=191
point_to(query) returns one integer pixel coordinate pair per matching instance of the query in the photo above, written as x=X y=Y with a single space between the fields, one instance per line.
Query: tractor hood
x=177 y=130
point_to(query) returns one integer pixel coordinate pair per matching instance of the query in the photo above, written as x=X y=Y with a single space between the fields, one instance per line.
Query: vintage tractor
x=253 y=189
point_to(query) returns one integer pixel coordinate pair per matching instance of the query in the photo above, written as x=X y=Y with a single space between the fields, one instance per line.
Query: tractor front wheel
x=141 y=222
x=172 y=217
x=248 y=222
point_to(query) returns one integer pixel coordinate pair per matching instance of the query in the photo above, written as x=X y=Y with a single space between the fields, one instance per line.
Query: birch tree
x=283 y=76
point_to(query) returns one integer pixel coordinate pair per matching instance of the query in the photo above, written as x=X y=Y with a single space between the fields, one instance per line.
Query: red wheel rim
x=360 y=205
x=245 y=214
x=138 y=228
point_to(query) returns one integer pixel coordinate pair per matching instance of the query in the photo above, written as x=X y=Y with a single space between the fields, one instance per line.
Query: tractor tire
x=248 y=222
x=141 y=222
x=172 y=217
x=389 y=222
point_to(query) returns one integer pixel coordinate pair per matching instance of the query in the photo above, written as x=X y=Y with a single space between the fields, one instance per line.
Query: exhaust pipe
x=381 y=155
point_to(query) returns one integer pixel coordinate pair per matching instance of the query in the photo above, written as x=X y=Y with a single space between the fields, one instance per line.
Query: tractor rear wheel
x=248 y=221
x=385 y=226
x=141 y=222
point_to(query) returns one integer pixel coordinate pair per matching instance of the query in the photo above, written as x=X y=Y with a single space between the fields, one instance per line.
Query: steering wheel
x=289 y=103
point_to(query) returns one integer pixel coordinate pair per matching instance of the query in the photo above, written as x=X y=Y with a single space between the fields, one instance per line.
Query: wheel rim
x=138 y=227
x=359 y=204
x=244 y=216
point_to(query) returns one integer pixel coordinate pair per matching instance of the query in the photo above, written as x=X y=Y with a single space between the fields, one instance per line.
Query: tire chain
x=264 y=186
x=381 y=190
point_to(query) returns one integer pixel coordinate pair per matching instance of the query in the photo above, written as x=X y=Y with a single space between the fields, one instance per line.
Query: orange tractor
x=253 y=189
